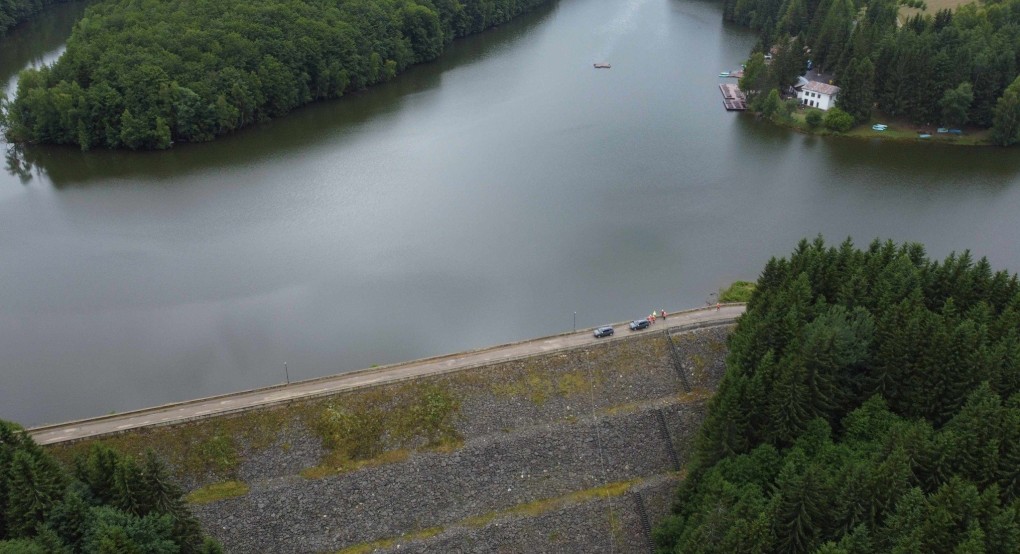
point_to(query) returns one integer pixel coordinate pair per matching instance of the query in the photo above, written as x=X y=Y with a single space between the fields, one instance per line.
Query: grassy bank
x=898 y=131
x=739 y=291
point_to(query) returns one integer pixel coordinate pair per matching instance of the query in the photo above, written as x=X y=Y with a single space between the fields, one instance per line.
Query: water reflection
x=926 y=164
x=284 y=138
x=38 y=41
x=17 y=165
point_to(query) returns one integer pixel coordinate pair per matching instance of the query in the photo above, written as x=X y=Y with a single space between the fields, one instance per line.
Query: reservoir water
x=481 y=199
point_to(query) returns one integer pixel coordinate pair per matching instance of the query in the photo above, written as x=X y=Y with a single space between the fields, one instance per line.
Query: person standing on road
x=717 y=306
x=663 y=312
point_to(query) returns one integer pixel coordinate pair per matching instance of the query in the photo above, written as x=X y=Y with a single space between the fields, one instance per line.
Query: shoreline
x=894 y=133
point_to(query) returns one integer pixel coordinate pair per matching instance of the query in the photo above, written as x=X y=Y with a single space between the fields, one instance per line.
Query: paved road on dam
x=235 y=402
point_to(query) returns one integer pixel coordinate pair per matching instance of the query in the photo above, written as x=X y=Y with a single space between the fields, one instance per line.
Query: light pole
x=286 y=372
x=575 y=322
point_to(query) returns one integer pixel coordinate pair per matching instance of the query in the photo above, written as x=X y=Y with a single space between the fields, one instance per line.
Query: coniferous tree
x=70 y=518
x=833 y=32
x=724 y=436
x=789 y=406
x=32 y=491
x=922 y=454
x=994 y=68
x=769 y=104
x=857 y=541
x=161 y=496
x=98 y=470
x=857 y=92
x=787 y=63
x=976 y=428
x=116 y=531
x=795 y=19
x=128 y=487
x=800 y=509
x=1008 y=472
x=109 y=504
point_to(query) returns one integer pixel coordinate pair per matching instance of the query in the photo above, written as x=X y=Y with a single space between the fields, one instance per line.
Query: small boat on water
x=602 y=66
x=879 y=127
x=924 y=136
x=724 y=73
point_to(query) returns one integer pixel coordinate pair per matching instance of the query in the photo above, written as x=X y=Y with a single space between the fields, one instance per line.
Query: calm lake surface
x=478 y=200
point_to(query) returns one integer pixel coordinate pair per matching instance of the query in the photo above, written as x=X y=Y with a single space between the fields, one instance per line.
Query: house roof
x=821 y=88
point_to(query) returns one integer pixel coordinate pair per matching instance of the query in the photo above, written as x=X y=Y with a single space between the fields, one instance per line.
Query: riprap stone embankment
x=554 y=453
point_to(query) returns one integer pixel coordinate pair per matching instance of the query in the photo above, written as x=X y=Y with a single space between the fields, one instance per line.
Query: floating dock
x=733 y=98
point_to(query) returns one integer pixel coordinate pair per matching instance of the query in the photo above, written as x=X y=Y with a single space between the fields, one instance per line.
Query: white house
x=818 y=95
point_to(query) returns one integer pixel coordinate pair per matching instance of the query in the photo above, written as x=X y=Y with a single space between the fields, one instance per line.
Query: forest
x=950 y=68
x=108 y=504
x=13 y=12
x=145 y=74
x=871 y=403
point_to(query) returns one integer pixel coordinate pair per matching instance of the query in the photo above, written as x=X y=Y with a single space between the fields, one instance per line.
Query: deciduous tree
x=1006 y=126
x=956 y=103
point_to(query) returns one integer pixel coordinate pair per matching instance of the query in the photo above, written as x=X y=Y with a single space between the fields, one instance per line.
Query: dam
x=561 y=444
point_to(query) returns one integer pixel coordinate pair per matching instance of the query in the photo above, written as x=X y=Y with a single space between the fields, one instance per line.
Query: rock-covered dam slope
x=574 y=451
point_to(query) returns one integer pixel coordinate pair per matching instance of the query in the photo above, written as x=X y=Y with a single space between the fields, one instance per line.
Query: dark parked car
x=603 y=332
x=639 y=324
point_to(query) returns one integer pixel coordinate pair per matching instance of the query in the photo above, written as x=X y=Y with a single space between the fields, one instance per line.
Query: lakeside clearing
x=932 y=7
x=898 y=130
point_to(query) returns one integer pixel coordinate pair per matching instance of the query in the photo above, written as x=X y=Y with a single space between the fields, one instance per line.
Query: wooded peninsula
x=145 y=74
x=951 y=68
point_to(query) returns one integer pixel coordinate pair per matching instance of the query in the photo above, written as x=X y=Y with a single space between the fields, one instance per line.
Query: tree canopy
x=144 y=74
x=947 y=67
x=109 y=503
x=871 y=403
